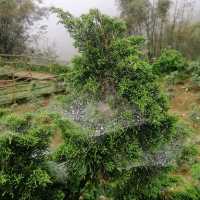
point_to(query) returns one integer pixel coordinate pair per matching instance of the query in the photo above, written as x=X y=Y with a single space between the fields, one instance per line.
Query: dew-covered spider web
x=102 y=117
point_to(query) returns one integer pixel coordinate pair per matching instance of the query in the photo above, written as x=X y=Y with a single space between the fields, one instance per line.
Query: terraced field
x=16 y=85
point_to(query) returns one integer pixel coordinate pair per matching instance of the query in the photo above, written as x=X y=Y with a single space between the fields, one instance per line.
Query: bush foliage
x=23 y=158
x=169 y=61
x=195 y=71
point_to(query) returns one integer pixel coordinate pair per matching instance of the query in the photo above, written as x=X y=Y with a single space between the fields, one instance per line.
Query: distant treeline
x=164 y=23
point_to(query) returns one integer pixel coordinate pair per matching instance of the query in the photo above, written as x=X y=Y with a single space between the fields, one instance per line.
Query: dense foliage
x=111 y=64
x=24 y=153
x=169 y=61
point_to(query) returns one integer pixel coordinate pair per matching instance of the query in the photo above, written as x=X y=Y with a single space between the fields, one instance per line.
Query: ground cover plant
x=170 y=61
x=24 y=142
x=195 y=66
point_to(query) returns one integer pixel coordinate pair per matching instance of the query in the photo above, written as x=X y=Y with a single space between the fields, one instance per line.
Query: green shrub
x=195 y=70
x=3 y=112
x=169 y=61
x=196 y=171
x=193 y=66
x=15 y=123
x=188 y=155
x=194 y=115
x=110 y=63
x=188 y=193
x=24 y=153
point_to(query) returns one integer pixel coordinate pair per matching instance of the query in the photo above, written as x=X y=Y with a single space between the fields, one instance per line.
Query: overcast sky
x=57 y=36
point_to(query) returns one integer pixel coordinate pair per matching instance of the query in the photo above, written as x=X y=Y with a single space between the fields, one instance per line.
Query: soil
x=4 y=83
x=183 y=100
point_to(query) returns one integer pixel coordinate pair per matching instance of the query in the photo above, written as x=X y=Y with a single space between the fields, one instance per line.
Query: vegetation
x=195 y=67
x=164 y=23
x=170 y=61
x=16 y=17
x=24 y=154
x=116 y=133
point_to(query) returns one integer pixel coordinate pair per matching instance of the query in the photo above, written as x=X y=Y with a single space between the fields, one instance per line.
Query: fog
x=57 y=37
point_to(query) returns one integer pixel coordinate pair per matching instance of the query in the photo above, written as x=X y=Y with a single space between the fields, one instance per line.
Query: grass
x=39 y=104
x=26 y=91
x=184 y=101
x=25 y=88
x=28 y=96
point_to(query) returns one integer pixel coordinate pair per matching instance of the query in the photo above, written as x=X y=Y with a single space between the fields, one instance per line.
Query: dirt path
x=34 y=75
x=4 y=83
x=25 y=74
x=182 y=104
x=183 y=100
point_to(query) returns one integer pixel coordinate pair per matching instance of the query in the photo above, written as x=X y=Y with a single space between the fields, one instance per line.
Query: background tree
x=16 y=17
x=164 y=23
x=147 y=18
